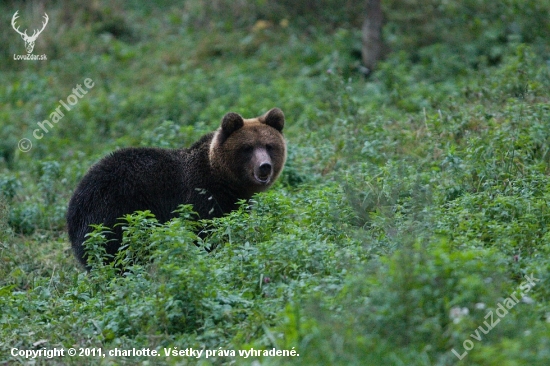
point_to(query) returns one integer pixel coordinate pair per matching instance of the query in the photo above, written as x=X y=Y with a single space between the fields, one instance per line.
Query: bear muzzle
x=263 y=169
x=263 y=173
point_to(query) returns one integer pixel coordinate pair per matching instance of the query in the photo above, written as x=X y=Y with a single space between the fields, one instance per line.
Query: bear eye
x=269 y=147
x=247 y=149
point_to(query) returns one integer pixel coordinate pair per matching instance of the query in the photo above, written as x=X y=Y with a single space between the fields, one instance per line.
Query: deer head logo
x=29 y=40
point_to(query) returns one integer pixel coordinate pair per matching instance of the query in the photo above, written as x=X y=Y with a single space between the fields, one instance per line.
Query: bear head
x=249 y=153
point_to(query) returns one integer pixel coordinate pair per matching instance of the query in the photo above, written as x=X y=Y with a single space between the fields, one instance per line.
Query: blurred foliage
x=477 y=31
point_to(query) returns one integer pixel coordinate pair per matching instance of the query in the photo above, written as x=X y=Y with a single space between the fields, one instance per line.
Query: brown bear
x=239 y=159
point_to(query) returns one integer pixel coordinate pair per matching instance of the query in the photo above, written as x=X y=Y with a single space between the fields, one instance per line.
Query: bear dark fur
x=239 y=159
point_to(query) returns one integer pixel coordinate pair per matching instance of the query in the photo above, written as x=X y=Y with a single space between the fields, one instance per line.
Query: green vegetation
x=413 y=202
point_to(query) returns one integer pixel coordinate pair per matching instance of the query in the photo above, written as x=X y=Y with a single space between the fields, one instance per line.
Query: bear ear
x=274 y=118
x=231 y=122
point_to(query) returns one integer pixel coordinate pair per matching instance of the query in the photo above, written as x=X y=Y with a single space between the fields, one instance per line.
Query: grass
x=412 y=204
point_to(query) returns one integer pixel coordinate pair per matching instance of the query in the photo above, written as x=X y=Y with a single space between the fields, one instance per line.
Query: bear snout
x=263 y=172
x=262 y=167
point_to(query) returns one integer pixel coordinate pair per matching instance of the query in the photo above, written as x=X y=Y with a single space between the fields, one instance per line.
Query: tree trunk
x=372 y=35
